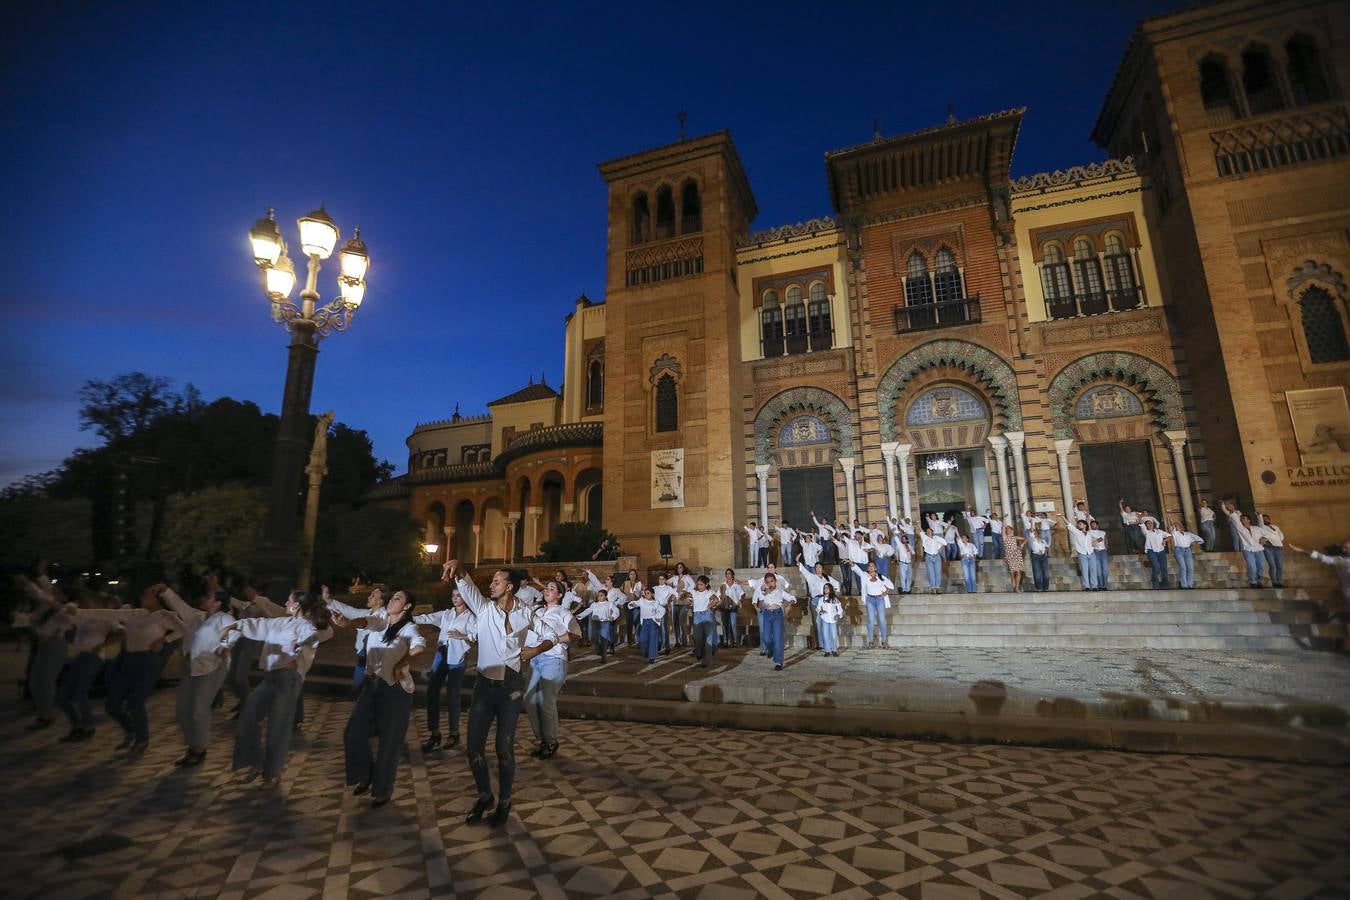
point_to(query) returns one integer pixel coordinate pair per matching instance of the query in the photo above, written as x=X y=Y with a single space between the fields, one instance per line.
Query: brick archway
x=1149 y=379
x=781 y=407
x=994 y=375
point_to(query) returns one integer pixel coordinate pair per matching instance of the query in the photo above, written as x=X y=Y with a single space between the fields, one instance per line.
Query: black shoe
x=778 y=668
x=452 y=741
x=500 y=814
x=377 y=802
x=362 y=788
x=476 y=814
x=432 y=742
x=127 y=741
x=190 y=758
x=38 y=724
x=538 y=752
x=76 y=734
x=550 y=750
x=139 y=747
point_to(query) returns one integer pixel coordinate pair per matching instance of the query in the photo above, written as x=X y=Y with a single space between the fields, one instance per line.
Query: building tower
x=673 y=433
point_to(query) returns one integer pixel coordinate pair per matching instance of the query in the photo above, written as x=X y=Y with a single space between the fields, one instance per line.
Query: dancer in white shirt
x=1081 y=545
x=1182 y=542
x=607 y=606
x=373 y=617
x=703 y=602
x=904 y=556
x=49 y=625
x=874 y=588
x=91 y=635
x=1155 y=546
x=1341 y=566
x=683 y=583
x=208 y=662
x=816 y=582
x=831 y=611
x=1038 y=549
x=384 y=706
x=1206 y=514
x=504 y=627
x=652 y=614
x=1101 y=558
x=548 y=671
x=732 y=593
x=288 y=645
x=970 y=554
x=772 y=601
x=1249 y=542
x=934 y=555
x=1272 y=547
x=457 y=629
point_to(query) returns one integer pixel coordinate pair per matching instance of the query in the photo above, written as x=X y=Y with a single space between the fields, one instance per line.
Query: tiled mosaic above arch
x=945 y=403
x=1143 y=375
x=1107 y=401
x=793 y=402
x=988 y=367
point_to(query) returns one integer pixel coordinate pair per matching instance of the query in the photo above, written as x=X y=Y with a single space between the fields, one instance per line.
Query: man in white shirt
x=934 y=554
x=1182 y=542
x=1249 y=542
x=1206 y=514
x=787 y=544
x=824 y=536
x=772 y=601
x=1130 y=524
x=1155 y=545
x=874 y=588
x=977 y=524
x=1039 y=551
x=996 y=533
x=1341 y=565
x=904 y=559
x=504 y=627
x=1272 y=545
x=1081 y=545
x=1101 y=557
x=810 y=550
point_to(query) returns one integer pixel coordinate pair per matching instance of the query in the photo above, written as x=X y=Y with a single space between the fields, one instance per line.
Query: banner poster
x=668 y=479
x=1321 y=419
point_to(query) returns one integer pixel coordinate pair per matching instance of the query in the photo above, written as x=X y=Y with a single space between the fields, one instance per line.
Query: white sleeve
x=269 y=608
x=473 y=598
x=351 y=612
x=415 y=639
x=595 y=583
x=180 y=606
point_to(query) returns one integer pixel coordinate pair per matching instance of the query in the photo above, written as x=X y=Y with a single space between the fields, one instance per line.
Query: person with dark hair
x=288 y=646
x=632 y=590
x=607 y=605
x=703 y=602
x=652 y=613
x=830 y=611
x=92 y=634
x=374 y=619
x=244 y=653
x=207 y=665
x=683 y=583
x=458 y=628
x=504 y=628
x=548 y=671
x=771 y=600
x=732 y=593
x=383 y=707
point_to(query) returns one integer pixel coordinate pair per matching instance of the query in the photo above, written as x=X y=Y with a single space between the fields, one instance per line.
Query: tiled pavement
x=633 y=810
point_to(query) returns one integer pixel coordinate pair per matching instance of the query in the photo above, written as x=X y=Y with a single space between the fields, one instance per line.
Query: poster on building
x=668 y=479
x=1321 y=424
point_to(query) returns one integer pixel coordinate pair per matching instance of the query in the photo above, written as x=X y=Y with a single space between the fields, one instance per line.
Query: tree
x=572 y=541
x=217 y=528
x=129 y=404
x=34 y=525
x=375 y=542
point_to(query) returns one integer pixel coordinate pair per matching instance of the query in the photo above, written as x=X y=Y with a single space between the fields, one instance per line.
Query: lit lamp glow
x=280 y=278
x=353 y=292
x=318 y=234
x=354 y=258
x=266 y=240
x=431 y=548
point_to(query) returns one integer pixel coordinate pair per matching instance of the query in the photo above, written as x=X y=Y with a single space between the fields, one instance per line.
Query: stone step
x=1070 y=641
x=1142 y=618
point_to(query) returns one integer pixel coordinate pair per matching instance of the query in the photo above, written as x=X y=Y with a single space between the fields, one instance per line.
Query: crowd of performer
x=523 y=633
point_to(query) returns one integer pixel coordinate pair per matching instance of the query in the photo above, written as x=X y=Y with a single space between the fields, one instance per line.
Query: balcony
x=965 y=311
x=1094 y=304
x=792 y=344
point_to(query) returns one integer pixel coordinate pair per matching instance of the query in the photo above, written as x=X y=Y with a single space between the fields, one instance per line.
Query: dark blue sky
x=143 y=140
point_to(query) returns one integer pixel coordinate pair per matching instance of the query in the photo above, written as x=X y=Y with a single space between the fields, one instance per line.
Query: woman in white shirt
x=874 y=587
x=1182 y=542
x=458 y=628
x=1206 y=513
x=830 y=611
x=91 y=636
x=384 y=706
x=704 y=605
x=934 y=556
x=548 y=670
x=49 y=625
x=969 y=553
x=208 y=662
x=632 y=591
x=288 y=645
x=732 y=593
x=374 y=618
x=148 y=627
x=815 y=589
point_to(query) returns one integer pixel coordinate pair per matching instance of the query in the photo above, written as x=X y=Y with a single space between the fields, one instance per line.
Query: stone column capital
x=1177 y=439
x=477 y=528
x=449 y=530
x=847 y=463
x=534 y=511
x=903 y=451
x=762 y=471
x=1016 y=439
x=1063 y=446
x=888 y=450
x=998 y=442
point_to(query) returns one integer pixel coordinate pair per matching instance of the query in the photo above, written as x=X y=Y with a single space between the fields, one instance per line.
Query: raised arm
x=595 y=583
x=38 y=593
x=180 y=606
x=347 y=612
x=473 y=598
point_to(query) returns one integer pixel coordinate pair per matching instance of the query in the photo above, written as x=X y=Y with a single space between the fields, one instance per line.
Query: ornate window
x=804 y=430
x=1258 y=81
x=771 y=324
x=1323 y=326
x=918 y=292
x=1057 y=284
x=642 y=219
x=1120 y=279
x=1216 y=90
x=667 y=404
x=794 y=320
x=948 y=403
x=665 y=212
x=691 y=209
x=946 y=277
x=1107 y=401
x=1089 y=271
x=595 y=385
x=818 y=317
x=1307 y=78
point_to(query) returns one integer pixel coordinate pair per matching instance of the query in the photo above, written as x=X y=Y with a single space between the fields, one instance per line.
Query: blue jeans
x=604 y=637
x=1255 y=566
x=883 y=567
x=359 y=673
x=274 y=699
x=1275 y=565
x=1157 y=559
x=998 y=544
x=447 y=680
x=547 y=674
x=763 y=635
x=829 y=637
x=1102 y=561
x=1040 y=571
x=704 y=636
x=906 y=576
x=1211 y=539
x=649 y=638
x=1185 y=566
x=933 y=564
x=845 y=577
x=971 y=572
x=73 y=697
x=773 y=621
x=1087 y=571
x=876 y=617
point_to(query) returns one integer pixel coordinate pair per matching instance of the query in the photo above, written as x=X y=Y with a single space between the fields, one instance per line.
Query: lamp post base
x=274 y=567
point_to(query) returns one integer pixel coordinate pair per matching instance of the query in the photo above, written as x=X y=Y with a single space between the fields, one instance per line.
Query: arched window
x=1089 y=271
x=794 y=320
x=1120 y=281
x=665 y=212
x=918 y=293
x=1258 y=81
x=667 y=404
x=642 y=219
x=771 y=324
x=691 y=210
x=1323 y=327
x=1216 y=90
x=947 y=287
x=1057 y=284
x=1307 y=78
x=818 y=317
x=595 y=385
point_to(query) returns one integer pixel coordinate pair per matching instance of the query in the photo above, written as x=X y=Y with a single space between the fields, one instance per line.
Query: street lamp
x=308 y=323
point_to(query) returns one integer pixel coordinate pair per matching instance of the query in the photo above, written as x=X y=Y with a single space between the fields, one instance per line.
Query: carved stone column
x=569 y=512
x=902 y=452
x=888 y=457
x=1177 y=441
x=477 y=545
x=1000 y=445
x=847 y=463
x=1062 y=448
x=531 y=545
x=1016 y=441
x=762 y=476
x=449 y=532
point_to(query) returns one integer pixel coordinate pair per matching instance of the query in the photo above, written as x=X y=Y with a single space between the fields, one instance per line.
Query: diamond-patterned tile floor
x=634 y=810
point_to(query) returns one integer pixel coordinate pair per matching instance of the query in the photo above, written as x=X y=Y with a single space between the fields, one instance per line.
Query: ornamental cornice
x=809 y=228
x=1075 y=175
x=924 y=209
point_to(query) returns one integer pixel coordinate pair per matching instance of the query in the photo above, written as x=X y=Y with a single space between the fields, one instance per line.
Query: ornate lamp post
x=308 y=323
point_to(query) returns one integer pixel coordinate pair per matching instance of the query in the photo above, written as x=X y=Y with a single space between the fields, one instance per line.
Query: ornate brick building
x=1165 y=325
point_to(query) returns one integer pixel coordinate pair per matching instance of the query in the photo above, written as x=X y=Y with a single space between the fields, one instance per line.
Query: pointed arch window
x=771 y=324
x=1323 y=326
x=1120 y=280
x=818 y=318
x=595 y=385
x=642 y=219
x=1216 y=90
x=1088 y=269
x=1057 y=284
x=667 y=404
x=691 y=208
x=1259 y=82
x=665 y=212
x=1307 y=78
x=918 y=293
x=794 y=320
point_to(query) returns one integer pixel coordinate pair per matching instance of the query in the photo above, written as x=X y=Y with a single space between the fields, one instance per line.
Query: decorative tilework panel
x=945 y=404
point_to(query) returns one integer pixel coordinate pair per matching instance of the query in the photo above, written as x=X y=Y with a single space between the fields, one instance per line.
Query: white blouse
x=448 y=620
x=383 y=657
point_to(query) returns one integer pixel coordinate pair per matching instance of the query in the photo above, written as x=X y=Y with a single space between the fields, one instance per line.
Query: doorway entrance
x=805 y=489
x=951 y=482
x=1116 y=471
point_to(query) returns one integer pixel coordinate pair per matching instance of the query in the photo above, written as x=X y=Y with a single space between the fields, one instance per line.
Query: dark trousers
x=243 y=657
x=275 y=700
x=73 y=697
x=1158 y=560
x=603 y=636
x=134 y=684
x=1040 y=570
x=650 y=638
x=846 y=577
x=773 y=624
x=381 y=713
x=451 y=678
x=359 y=672
x=705 y=637
x=499 y=701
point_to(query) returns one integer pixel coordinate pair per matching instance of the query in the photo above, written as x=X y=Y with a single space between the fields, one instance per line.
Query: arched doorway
x=590 y=497
x=463 y=524
x=948 y=424
x=493 y=532
x=551 y=488
x=524 y=500
x=434 y=531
